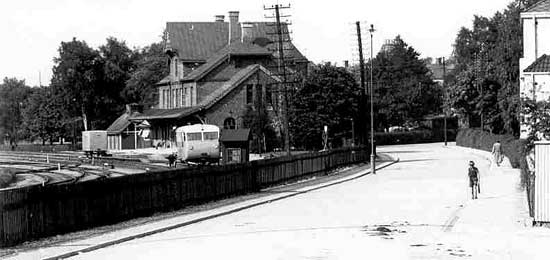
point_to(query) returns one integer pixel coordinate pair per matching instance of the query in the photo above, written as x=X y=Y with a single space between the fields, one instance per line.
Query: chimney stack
x=220 y=18
x=233 y=26
x=246 y=32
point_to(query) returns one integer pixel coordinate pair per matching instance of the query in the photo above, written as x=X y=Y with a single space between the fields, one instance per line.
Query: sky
x=32 y=30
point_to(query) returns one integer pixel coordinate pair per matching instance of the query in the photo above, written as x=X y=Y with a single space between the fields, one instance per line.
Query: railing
x=39 y=211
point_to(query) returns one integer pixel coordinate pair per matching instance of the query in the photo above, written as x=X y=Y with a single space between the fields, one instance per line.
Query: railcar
x=198 y=143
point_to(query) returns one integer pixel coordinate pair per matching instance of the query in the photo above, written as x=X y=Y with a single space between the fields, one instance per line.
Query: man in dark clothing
x=473 y=174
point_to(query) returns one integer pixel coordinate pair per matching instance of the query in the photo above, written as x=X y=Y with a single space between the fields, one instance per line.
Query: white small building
x=535 y=64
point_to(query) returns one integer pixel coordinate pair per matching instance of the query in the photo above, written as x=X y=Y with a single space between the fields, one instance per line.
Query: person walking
x=497 y=153
x=473 y=175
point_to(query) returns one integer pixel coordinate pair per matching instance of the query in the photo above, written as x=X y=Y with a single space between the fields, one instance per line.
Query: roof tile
x=542 y=64
x=197 y=41
x=543 y=6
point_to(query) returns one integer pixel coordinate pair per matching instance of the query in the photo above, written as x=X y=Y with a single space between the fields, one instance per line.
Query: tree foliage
x=486 y=77
x=151 y=67
x=88 y=83
x=403 y=89
x=13 y=95
x=42 y=117
x=329 y=96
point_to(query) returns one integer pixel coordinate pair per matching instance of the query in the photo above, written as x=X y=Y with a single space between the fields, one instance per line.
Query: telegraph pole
x=282 y=72
x=362 y=72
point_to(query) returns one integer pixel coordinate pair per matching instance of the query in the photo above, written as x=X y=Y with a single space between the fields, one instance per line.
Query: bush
x=413 y=137
x=7 y=176
x=512 y=147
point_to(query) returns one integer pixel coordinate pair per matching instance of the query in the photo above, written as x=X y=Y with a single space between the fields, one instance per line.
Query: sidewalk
x=73 y=248
x=498 y=223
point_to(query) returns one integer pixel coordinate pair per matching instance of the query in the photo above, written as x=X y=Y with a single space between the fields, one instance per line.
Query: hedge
x=413 y=137
x=512 y=147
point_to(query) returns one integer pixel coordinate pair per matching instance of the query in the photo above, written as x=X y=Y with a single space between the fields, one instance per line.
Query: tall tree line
x=88 y=90
x=484 y=85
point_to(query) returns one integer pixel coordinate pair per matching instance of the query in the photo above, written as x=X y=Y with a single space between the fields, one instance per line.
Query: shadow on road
x=417 y=160
x=404 y=152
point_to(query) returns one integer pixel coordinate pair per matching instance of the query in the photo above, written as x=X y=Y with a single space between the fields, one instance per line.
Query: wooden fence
x=39 y=211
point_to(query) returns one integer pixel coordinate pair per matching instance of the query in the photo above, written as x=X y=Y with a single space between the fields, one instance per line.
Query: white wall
x=543 y=36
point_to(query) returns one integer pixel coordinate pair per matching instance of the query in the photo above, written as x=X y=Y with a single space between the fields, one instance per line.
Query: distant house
x=218 y=71
x=535 y=63
x=125 y=134
x=438 y=70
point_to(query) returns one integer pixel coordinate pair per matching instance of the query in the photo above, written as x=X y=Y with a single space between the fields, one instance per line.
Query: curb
x=186 y=223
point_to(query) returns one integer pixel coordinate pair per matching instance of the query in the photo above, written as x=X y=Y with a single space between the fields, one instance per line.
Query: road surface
x=418 y=208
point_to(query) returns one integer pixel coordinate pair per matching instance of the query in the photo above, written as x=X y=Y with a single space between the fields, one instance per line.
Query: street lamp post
x=445 y=103
x=372 y=166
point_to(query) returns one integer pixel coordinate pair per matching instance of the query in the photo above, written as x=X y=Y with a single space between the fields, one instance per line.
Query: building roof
x=210 y=100
x=165 y=113
x=197 y=41
x=543 y=6
x=220 y=56
x=542 y=64
x=235 y=135
x=121 y=123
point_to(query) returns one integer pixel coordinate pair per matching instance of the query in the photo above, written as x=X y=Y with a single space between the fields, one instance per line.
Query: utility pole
x=445 y=105
x=362 y=76
x=282 y=73
x=479 y=86
x=372 y=168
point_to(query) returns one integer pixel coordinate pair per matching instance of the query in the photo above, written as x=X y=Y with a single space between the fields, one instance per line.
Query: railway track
x=35 y=168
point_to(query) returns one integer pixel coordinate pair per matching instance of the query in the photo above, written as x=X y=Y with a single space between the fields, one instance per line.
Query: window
x=259 y=96
x=210 y=136
x=229 y=123
x=249 y=94
x=190 y=96
x=194 y=136
x=268 y=95
x=182 y=97
x=176 y=68
x=234 y=155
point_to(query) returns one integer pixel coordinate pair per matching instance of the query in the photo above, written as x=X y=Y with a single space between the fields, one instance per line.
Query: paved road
x=417 y=208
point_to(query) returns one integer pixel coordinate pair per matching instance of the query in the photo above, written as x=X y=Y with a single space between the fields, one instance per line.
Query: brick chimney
x=233 y=26
x=246 y=31
x=220 y=18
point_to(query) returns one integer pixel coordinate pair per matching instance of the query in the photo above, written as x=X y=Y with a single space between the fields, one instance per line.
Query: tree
x=329 y=96
x=89 y=82
x=264 y=137
x=403 y=89
x=119 y=62
x=489 y=55
x=42 y=117
x=13 y=94
x=77 y=73
x=151 y=67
